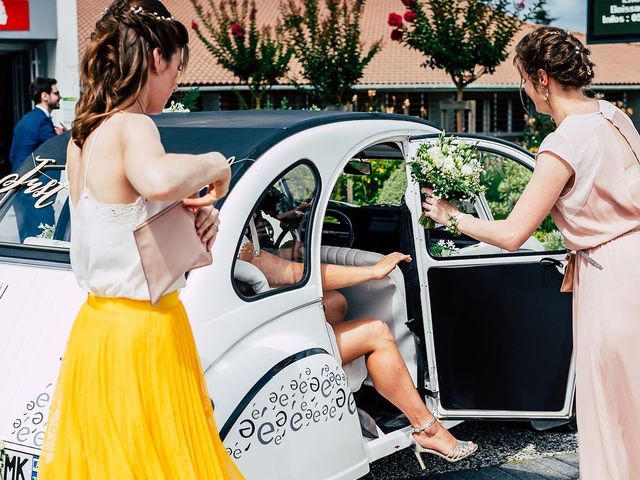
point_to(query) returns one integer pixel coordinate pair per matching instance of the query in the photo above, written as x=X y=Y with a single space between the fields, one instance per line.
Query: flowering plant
x=444 y=248
x=176 y=107
x=47 y=230
x=451 y=168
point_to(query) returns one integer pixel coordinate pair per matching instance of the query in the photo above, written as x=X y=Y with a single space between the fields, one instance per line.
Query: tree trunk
x=459 y=111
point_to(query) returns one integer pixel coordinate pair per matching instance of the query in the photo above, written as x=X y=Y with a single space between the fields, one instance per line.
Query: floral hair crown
x=140 y=11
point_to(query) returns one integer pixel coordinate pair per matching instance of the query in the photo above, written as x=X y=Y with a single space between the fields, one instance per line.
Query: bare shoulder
x=140 y=127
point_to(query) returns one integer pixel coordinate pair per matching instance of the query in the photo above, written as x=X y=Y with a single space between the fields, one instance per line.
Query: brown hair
x=115 y=64
x=39 y=86
x=559 y=53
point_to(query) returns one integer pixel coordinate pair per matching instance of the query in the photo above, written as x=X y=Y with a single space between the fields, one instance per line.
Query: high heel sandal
x=459 y=451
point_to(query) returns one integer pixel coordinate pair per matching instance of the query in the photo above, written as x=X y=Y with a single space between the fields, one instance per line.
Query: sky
x=570 y=14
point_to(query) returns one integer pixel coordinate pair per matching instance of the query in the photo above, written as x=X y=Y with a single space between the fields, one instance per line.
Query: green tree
x=536 y=128
x=465 y=38
x=258 y=57
x=540 y=15
x=189 y=98
x=394 y=187
x=328 y=46
x=364 y=189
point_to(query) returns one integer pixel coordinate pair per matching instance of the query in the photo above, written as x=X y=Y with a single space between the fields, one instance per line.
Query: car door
x=497 y=329
x=271 y=363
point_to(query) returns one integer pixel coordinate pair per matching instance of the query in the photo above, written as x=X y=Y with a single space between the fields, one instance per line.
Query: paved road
x=507 y=451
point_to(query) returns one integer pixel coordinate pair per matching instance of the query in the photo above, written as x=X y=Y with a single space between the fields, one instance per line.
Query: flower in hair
x=140 y=11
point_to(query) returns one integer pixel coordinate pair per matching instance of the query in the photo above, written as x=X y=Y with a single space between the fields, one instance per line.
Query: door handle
x=552 y=262
x=549 y=262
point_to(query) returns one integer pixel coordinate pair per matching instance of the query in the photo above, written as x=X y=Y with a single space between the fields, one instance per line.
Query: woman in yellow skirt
x=131 y=401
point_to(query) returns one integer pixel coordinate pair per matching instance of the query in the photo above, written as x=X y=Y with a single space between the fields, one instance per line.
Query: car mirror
x=357 y=167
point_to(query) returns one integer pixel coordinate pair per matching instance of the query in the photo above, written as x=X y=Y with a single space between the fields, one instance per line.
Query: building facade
x=394 y=81
x=37 y=38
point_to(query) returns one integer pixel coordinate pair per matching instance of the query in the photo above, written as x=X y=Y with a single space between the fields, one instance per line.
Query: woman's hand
x=215 y=191
x=387 y=263
x=207 y=224
x=437 y=209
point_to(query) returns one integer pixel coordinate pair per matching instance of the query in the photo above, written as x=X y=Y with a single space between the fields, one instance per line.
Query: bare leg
x=371 y=337
x=335 y=306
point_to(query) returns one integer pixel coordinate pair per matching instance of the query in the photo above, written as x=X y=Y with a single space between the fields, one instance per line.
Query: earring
x=545 y=95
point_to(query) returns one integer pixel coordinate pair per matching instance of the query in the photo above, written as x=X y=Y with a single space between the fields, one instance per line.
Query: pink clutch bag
x=169 y=246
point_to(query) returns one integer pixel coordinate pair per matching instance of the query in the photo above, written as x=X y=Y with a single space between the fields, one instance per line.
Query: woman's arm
x=158 y=175
x=342 y=276
x=549 y=178
x=280 y=271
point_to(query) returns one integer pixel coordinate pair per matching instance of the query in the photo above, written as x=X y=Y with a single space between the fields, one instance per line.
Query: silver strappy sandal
x=459 y=451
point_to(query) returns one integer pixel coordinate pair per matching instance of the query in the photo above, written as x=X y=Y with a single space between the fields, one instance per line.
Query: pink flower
x=194 y=25
x=396 y=35
x=408 y=3
x=237 y=31
x=521 y=5
x=395 y=20
x=410 y=16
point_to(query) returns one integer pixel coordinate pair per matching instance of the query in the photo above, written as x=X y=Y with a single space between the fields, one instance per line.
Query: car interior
x=357 y=235
x=357 y=232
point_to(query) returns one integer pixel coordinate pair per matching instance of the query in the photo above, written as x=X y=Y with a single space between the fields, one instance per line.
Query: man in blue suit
x=35 y=128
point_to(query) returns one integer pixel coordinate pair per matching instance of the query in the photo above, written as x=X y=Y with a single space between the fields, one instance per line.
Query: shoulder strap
x=93 y=144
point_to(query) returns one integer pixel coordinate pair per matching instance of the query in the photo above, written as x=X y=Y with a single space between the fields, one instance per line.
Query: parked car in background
x=485 y=333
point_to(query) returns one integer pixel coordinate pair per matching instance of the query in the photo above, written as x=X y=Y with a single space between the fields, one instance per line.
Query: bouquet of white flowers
x=176 y=107
x=452 y=170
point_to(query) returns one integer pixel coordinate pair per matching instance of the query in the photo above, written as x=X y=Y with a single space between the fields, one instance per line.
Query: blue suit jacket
x=32 y=130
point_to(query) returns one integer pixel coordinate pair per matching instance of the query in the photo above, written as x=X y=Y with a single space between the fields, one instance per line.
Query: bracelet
x=453 y=223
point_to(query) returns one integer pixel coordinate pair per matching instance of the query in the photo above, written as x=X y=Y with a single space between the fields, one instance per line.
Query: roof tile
x=395 y=64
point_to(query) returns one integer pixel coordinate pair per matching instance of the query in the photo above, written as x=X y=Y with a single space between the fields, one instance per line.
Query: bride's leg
x=335 y=306
x=371 y=337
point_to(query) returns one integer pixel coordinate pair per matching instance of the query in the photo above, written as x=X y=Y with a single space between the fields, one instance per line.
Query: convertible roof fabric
x=242 y=133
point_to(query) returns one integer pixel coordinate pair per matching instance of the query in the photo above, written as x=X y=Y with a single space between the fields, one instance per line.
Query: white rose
x=449 y=164
x=466 y=170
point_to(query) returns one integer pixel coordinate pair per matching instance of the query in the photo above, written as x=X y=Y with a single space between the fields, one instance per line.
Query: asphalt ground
x=506 y=450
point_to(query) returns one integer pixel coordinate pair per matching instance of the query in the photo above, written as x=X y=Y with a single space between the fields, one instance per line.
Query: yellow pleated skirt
x=131 y=401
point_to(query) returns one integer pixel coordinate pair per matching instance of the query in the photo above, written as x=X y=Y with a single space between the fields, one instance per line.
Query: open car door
x=497 y=329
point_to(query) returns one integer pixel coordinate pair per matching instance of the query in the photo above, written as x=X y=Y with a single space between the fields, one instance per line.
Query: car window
x=385 y=184
x=505 y=180
x=271 y=252
x=35 y=210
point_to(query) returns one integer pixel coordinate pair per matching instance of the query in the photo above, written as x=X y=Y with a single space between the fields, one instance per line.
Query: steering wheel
x=340 y=234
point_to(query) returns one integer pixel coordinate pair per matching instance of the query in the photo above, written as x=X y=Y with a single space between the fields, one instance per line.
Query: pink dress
x=600 y=215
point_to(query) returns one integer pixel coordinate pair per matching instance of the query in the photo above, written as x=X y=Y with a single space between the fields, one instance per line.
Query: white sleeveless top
x=104 y=256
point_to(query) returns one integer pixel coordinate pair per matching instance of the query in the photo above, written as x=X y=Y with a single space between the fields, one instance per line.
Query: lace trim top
x=104 y=255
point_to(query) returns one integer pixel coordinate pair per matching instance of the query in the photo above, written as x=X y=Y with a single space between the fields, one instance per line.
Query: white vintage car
x=485 y=333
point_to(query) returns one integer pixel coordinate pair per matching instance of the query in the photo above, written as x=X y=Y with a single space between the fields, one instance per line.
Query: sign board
x=613 y=21
x=14 y=15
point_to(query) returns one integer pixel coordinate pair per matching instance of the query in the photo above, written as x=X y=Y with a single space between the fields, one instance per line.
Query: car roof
x=241 y=133
x=249 y=133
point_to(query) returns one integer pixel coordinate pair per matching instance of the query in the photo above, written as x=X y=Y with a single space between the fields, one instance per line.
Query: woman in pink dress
x=587 y=175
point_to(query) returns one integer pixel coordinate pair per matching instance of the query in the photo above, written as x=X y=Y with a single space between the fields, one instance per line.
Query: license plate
x=19 y=465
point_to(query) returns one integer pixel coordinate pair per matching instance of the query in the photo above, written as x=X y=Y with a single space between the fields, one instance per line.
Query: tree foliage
x=540 y=15
x=326 y=39
x=257 y=56
x=465 y=38
x=536 y=128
